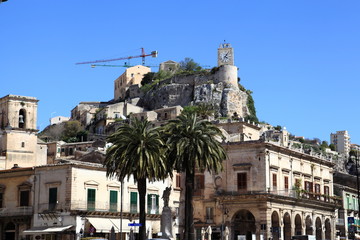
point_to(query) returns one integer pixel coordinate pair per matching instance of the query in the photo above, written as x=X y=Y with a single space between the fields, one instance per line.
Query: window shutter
x=133 y=198
x=242 y=181
x=286 y=182
x=133 y=202
x=91 y=195
x=157 y=204
x=113 y=196
x=149 y=203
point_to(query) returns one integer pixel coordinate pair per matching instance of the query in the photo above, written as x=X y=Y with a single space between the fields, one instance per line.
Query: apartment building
x=341 y=141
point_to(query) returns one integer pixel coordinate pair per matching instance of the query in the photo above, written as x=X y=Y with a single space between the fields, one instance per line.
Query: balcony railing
x=17 y=211
x=288 y=193
x=86 y=206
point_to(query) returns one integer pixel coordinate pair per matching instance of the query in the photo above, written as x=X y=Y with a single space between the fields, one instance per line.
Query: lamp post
x=357 y=183
x=121 y=207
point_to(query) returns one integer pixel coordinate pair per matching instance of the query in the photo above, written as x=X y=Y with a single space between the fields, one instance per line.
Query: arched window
x=22 y=118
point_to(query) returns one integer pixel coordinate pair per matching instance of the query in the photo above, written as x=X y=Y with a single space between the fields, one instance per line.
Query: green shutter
x=157 y=204
x=113 y=200
x=91 y=199
x=133 y=198
x=149 y=203
x=133 y=202
x=91 y=195
x=113 y=196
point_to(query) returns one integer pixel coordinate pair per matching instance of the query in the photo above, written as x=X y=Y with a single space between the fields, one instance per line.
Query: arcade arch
x=243 y=224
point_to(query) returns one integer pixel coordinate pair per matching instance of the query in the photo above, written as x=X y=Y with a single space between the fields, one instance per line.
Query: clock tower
x=225 y=54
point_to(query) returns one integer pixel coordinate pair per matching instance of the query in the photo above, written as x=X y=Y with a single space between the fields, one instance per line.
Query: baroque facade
x=267 y=190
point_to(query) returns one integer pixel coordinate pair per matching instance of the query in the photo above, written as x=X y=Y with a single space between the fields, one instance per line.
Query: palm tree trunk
x=189 y=220
x=142 y=197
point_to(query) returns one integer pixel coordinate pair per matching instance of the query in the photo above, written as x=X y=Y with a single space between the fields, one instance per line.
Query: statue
x=202 y=233
x=209 y=232
x=166 y=195
x=227 y=233
x=166 y=216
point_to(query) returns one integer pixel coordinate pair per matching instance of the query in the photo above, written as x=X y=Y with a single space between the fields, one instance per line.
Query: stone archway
x=298 y=225
x=327 y=229
x=308 y=226
x=287 y=226
x=243 y=223
x=275 y=226
x=318 y=228
x=10 y=231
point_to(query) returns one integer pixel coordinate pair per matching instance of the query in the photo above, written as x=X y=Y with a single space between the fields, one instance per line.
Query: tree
x=188 y=64
x=324 y=145
x=138 y=151
x=332 y=147
x=71 y=130
x=148 y=78
x=203 y=110
x=193 y=144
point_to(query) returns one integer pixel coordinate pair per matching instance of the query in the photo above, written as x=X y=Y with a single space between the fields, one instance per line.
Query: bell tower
x=18 y=133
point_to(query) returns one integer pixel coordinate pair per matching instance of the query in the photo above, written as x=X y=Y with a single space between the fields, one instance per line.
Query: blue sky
x=300 y=58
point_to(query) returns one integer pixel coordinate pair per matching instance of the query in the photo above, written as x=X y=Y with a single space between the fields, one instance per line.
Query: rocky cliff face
x=219 y=89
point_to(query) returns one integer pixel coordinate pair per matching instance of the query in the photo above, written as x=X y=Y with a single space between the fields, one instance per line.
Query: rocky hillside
x=216 y=87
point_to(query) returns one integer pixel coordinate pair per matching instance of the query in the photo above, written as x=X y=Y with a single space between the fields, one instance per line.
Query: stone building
x=16 y=202
x=169 y=66
x=266 y=191
x=18 y=133
x=58 y=119
x=74 y=199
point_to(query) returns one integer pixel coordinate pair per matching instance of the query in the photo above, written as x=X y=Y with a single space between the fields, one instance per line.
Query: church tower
x=18 y=133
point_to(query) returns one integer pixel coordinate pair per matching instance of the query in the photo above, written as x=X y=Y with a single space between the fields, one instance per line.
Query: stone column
x=258 y=230
x=281 y=224
x=292 y=218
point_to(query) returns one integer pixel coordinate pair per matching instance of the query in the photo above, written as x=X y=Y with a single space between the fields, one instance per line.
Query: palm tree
x=193 y=144
x=138 y=151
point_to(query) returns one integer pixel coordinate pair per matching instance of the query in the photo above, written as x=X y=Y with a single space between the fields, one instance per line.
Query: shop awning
x=104 y=224
x=46 y=230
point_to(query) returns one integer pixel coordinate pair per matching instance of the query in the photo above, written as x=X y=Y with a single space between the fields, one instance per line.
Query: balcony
x=16 y=211
x=294 y=194
x=97 y=206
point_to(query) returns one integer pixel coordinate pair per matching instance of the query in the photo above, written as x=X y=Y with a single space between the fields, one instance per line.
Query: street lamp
x=121 y=207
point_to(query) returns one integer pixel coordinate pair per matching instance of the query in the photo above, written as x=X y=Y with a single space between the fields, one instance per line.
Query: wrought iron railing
x=287 y=193
x=17 y=211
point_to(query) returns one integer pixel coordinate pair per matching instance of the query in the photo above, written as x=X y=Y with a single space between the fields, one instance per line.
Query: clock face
x=225 y=56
